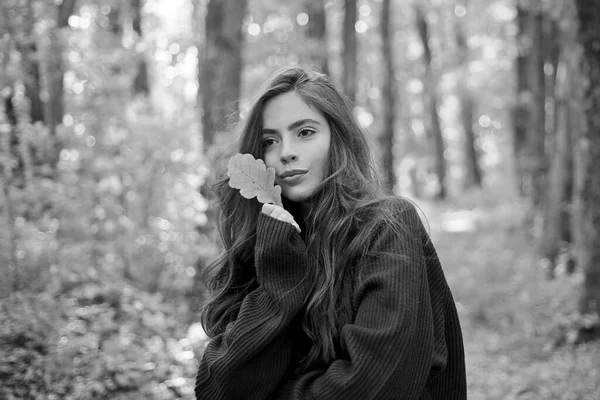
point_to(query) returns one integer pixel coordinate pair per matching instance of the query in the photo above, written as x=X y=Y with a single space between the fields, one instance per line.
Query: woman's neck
x=305 y=210
x=299 y=211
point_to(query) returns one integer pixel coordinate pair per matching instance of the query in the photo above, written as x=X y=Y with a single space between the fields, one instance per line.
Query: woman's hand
x=280 y=213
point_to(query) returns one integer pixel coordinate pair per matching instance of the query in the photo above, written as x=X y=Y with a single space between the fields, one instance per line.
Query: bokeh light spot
x=460 y=11
x=254 y=29
x=360 y=26
x=485 y=121
x=302 y=19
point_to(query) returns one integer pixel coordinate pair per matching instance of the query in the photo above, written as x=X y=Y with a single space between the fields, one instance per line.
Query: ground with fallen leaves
x=514 y=320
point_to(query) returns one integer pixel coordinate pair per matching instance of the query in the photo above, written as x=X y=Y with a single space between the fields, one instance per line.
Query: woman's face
x=296 y=142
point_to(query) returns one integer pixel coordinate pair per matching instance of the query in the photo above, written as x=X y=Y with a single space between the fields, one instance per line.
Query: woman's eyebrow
x=293 y=125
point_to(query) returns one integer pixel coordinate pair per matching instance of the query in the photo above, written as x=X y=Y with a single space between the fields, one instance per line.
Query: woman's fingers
x=280 y=213
x=285 y=217
x=268 y=208
x=295 y=225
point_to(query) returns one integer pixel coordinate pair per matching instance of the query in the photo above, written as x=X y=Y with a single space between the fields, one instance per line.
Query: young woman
x=339 y=294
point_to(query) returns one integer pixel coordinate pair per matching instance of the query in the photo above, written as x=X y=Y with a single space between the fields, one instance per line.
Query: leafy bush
x=99 y=341
x=26 y=333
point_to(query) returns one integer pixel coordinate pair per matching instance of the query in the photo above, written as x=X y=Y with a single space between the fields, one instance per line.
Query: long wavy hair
x=347 y=209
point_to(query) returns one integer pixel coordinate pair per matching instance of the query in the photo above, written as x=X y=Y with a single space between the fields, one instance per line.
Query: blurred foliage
x=105 y=246
x=93 y=341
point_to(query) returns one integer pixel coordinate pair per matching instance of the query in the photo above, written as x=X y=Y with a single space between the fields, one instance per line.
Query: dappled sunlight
x=460 y=221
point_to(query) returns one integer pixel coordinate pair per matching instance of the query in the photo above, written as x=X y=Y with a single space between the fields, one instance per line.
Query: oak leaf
x=253 y=179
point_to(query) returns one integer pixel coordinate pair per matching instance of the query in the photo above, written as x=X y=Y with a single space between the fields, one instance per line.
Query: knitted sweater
x=404 y=341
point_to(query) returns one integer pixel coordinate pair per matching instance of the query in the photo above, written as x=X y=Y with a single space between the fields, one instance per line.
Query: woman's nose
x=288 y=153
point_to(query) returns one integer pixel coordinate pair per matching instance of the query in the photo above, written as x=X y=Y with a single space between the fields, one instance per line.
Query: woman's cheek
x=268 y=159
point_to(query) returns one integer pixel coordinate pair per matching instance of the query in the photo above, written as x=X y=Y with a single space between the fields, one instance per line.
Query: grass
x=512 y=316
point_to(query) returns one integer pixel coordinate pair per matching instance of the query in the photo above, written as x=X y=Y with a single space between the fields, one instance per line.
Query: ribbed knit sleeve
x=397 y=346
x=250 y=359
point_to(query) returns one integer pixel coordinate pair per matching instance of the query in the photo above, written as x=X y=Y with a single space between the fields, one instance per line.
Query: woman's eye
x=268 y=142
x=306 y=132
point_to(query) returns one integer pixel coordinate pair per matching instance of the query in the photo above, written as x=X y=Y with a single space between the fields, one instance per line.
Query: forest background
x=114 y=116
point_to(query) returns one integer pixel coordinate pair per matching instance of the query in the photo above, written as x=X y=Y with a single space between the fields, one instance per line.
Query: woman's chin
x=297 y=197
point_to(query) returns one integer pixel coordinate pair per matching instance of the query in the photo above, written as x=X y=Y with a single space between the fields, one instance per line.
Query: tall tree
x=27 y=46
x=471 y=156
x=350 y=48
x=430 y=82
x=552 y=51
x=316 y=32
x=115 y=23
x=141 y=84
x=558 y=193
x=220 y=76
x=521 y=111
x=19 y=36
x=587 y=156
x=537 y=132
x=55 y=72
x=10 y=266
x=389 y=93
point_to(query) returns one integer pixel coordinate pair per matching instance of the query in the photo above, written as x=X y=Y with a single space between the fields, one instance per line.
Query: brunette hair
x=347 y=210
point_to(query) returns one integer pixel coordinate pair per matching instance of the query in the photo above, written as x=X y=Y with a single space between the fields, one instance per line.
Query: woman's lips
x=292 y=176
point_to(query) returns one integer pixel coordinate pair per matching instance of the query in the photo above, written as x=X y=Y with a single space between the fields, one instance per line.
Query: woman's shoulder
x=391 y=215
x=398 y=203
x=396 y=210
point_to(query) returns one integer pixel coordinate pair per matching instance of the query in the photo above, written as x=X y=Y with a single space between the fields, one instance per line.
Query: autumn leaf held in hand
x=253 y=179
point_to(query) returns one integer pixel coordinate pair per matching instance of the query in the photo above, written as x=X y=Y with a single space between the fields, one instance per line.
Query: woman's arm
x=250 y=359
x=397 y=338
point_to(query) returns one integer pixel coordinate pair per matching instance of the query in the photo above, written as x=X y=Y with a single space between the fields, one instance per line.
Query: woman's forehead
x=283 y=110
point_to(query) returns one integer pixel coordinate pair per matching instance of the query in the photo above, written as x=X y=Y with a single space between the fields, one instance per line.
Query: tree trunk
x=350 y=49
x=141 y=83
x=6 y=183
x=521 y=113
x=18 y=168
x=537 y=134
x=31 y=67
x=557 y=220
x=552 y=50
x=6 y=169
x=432 y=103
x=587 y=156
x=20 y=33
x=55 y=75
x=316 y=33
x=115 y=23
x=472 y=169
x=220 y=78
x=412 y=150
x=473 y=175
x=558 y=189
x=13 y=261
x=220 y=67
x=388 y=98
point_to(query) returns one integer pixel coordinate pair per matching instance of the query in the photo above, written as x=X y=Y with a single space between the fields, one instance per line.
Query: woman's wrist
x=280 y=256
